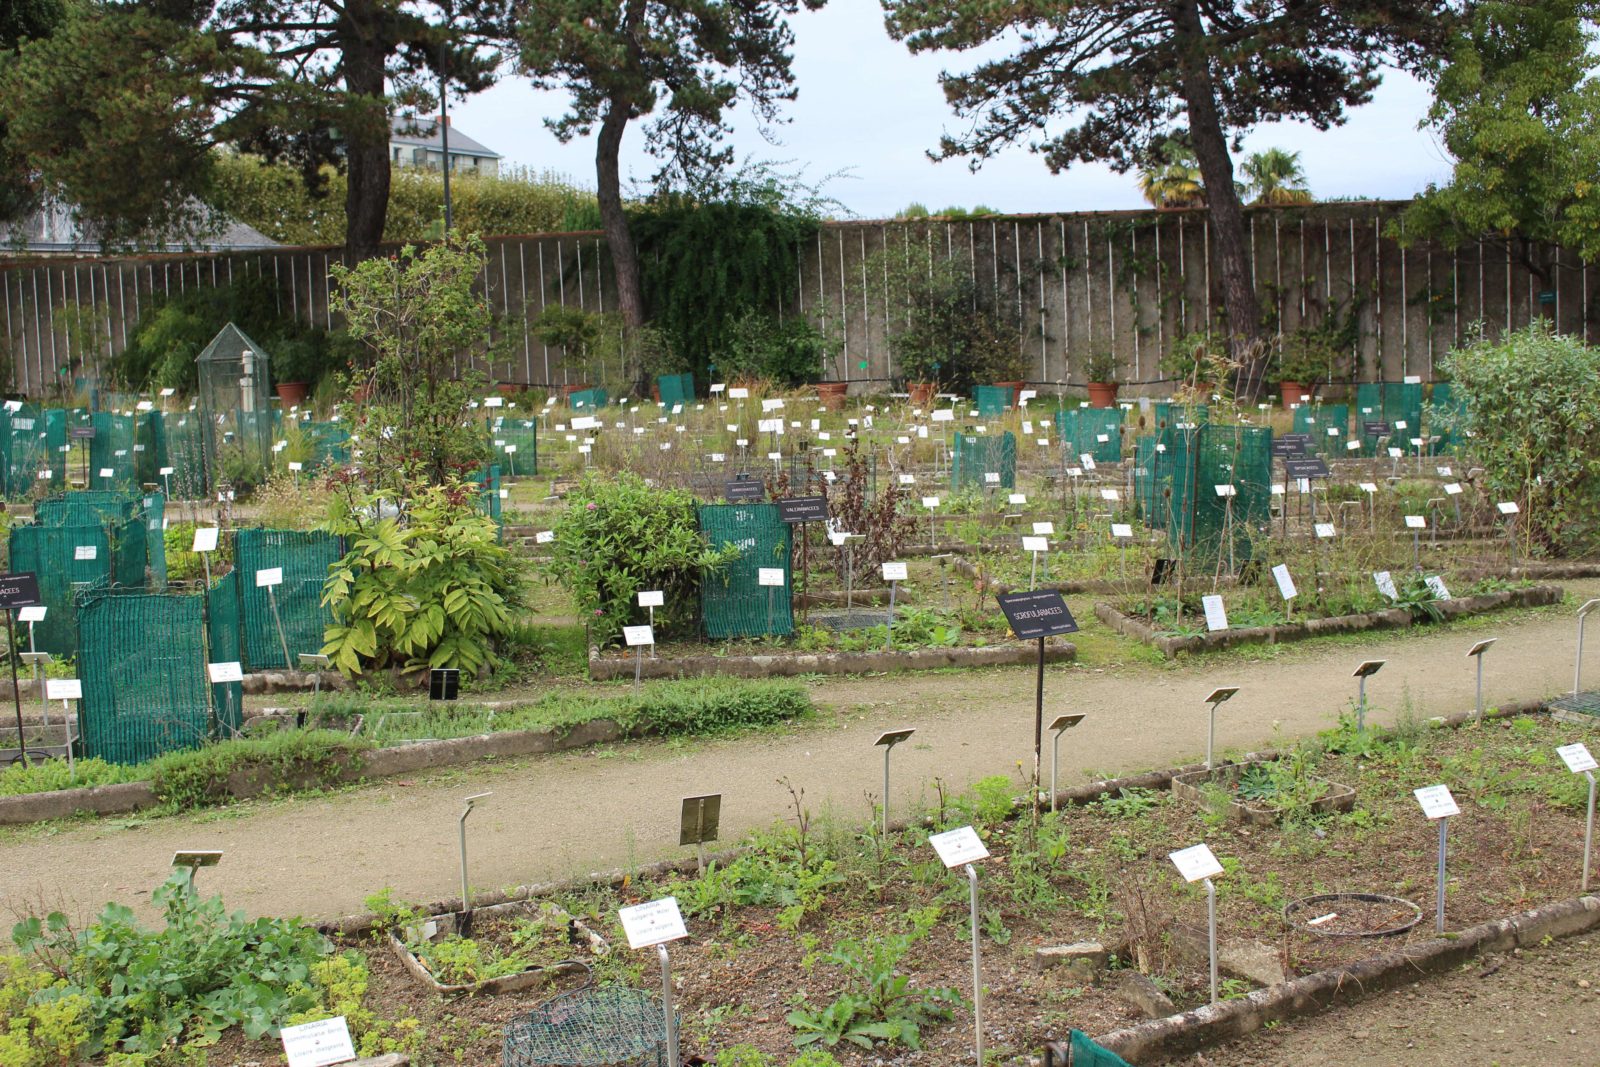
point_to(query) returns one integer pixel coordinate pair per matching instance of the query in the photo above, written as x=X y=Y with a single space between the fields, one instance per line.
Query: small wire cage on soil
x=593 y=1026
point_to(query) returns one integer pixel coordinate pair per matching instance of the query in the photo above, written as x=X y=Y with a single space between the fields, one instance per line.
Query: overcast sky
x=868 y=107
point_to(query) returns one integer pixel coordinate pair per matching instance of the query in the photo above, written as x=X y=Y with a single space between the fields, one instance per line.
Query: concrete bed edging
x=616 y=668
x=1390 y=619
x=1160 y=1040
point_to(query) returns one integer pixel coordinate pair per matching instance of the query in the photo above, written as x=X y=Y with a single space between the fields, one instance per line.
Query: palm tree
x=1276 y=178
x=1174 y=181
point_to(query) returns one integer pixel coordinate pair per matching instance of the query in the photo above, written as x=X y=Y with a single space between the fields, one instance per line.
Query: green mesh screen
x=992 y=400
x=85 y=507
x=974 y=457
x=489 y=501
x=1445 y=413
x=587 y=399
x=675 y=388
x=523 y=435
x=29 y=449
x=155 y=535
x=1176 y=473
x=65 y=559
x=1080 y=1050
x=176 y=442
x=223 y=645
x=305 y=558
x=330 y=443
x=1317 y=419
x=1168 y=413
x=1096 y=431
x=733 y=603
x=143 y=670
x=113 y=463
x=1394 y=403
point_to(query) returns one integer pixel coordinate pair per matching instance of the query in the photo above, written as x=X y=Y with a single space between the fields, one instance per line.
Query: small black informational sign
x=803 y=509
x=1163 y=571
x=1291 y=444
x=1305 y=467
x=18 y=591
x=1039 y=613
x=744 y=489
x=86 y=432
x=1376 y=428
x=444 y=683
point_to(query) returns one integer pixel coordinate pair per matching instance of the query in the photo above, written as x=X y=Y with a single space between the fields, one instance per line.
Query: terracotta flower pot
x=1016 y=390
x=922 y=393
x=508 y=388
x=293 y=394
x=1102 y=394
x=832 y=394
x=1296 y=393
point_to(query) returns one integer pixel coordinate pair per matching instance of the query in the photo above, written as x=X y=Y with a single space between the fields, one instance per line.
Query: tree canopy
x=692 y=59
x=1114 y=81
x=1517 y=108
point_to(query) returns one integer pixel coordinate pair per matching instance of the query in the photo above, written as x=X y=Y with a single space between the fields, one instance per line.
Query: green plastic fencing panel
x=31 y=458
x=675 y=388
x=1167 y=413
x=489 y=501
x=113 y=461
x=974 y=457
x=305 y=558
x=66 y=560
x=587 y=400
x=516 y=447
x=85 y=508
x=330 y=443
x=1394 y=403
x=733 y=602
x=1084 y=1052
x=992 y=400
x=1446 y=413
x=1095 y=431
x=224 y=630
x=143 y=671
x=176 y=446
x=1318 y=420
x=155 y=535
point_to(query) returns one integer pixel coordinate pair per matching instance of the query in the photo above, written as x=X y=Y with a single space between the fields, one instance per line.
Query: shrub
x=787 y=352
x=432 y=587
x=1533 y=413
x=199 y=777
x=618 y=536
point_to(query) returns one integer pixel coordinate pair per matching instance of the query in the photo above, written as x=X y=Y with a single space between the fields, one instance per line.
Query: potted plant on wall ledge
x=1102 y=383
x=1306 y=359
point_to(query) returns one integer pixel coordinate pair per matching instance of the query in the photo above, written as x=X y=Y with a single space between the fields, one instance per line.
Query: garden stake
x=1438 y=912
x=666 y=1005
x=1588 y=832
x=977 y=971
x=1060 y=726
x=1476 y=652
x=16 y=690
x=1577 y=669
x=464 y=926
x=1211 y=938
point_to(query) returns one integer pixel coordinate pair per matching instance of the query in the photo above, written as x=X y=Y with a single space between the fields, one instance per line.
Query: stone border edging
x=615 y=668
x=1390 y=619
x=1163 y=1039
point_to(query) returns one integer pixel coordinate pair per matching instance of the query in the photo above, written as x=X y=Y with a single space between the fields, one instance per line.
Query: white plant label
x=1017 y=498
x=267 y=576
x=1122 y=529
x=908 y=479
x=544 y=537
x=296 y=465
x=1507 y=507
x=1226 y=490
x=1444 y=472
x=1087 y=460
x=1385 y=583
x=1416 y=522
x=1436 y=583
x=494 y=402
x=930 y=502
x=1196 y=862
x=717 y=387
x=205 y=538
x=652 y=598
x=1576 y=757
x=585 y=422
x=1452 y=488
x=85 y=551
x=318 y=1044
x=958 y=846
x=1436 y=801
x=1035 y=544
x=775 y=456
x=225 y=672
x=1351 y=446
x=719 y=457
x=1216 y=614
x=32 y=613
x=894 y=572
x=739 y=393
x=829 y=453
x=772 y=405
x=944 y=415
x=63 y=689
x=1110 y=494
x=770 y=576
x=1285 y=582
x=638 y=635
x=653 y=923
x=107 y=472
x=1044 y=529
x=1325 y=530
x=1102 y=439
x=991 y=478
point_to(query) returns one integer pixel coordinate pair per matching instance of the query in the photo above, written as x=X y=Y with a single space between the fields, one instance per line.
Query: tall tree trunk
x=624 y=259
x=366 y=200
x=1210 y=146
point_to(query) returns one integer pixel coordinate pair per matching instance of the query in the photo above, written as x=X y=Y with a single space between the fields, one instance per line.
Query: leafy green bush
x=1533 y=412
x=618 y=536
x=431 y=588
x=788 y=352
x=955 y=331
x=202 y=973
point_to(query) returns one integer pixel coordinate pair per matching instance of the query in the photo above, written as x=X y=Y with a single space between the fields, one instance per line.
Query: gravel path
x=552 y=817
